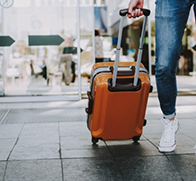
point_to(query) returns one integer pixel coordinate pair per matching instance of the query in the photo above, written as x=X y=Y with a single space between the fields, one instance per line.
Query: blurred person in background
x=66 y=57
x=98 y=46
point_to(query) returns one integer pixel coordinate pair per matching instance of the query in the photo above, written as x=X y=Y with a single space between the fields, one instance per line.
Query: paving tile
x=45 y=115
x=3 y=106
x=74 y=129
x=2 y=114
x=41 y=130
x=10 y=130
x=81 y=103
x=147 y=168
x=153 y=113
x=34 y=170
x=76 y=142
x=184 y=140
x=37 y=141
x=181 y=114
x=95 y=169
x=188 y=111
x=42 y=105
x=72 y=143
x=153 y=128
x=30 y=150
x=185 y=165
x=82 y=147
x=188 y=127
x=153 y=101
x=155 y=142
x=182 y=150
x=86 y=153
x=2 y=169
x=18 y=105
x=154 y=121
x=6 y=145
x=61 y=104
x=51 y=104
x=152 y=136
x=129 y=148
x=186 y=100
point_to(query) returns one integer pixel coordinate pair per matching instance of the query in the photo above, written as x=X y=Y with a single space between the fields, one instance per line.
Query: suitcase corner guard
x=89 y=109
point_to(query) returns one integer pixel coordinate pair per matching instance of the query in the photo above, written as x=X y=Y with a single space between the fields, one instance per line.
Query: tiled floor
x=52 y=143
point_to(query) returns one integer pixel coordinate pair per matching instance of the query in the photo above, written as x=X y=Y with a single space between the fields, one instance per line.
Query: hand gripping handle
x=124 y=12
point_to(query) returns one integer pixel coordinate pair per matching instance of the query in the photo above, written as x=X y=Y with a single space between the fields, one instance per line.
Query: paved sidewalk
x=49 y=141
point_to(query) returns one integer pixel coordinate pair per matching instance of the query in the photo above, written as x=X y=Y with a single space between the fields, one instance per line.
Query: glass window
x=43 y=69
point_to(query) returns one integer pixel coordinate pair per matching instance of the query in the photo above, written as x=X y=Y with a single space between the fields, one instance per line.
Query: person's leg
x=170 y=22
x=68 y=70
x=73 y=70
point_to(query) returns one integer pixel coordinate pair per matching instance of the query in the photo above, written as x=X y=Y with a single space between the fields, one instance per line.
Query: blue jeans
x=170 y=21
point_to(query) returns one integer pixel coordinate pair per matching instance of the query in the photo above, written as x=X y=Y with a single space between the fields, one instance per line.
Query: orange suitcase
x=118 y=97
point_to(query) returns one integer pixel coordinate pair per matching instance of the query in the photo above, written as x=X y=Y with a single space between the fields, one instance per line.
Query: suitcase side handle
x=89 y=110
x=124 y=73
x=124 y=12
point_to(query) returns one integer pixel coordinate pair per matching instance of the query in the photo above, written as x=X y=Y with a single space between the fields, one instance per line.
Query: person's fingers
x=135 y=13
x=130 y=9
x=138 y=13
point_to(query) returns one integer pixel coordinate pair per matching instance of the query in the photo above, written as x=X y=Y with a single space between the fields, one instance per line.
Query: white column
x=93 y=31
x=78 y=49
x=3 y=56
x=149 y=43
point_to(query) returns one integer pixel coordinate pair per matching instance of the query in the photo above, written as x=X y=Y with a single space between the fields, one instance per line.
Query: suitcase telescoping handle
x=123 y=13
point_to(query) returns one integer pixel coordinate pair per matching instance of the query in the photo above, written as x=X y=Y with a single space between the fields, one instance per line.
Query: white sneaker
x=168 y=141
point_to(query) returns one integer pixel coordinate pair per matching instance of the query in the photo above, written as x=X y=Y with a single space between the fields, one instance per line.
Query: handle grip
x=124 y=73
x=124 y=12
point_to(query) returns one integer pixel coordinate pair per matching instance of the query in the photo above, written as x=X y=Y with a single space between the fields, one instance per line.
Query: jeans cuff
x=169 y=116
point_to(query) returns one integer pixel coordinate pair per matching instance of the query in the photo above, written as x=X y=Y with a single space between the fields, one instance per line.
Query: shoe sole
x=169 y=149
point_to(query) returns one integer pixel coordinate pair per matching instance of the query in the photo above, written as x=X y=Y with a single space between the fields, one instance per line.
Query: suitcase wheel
x=94 y=140
x=136 y=138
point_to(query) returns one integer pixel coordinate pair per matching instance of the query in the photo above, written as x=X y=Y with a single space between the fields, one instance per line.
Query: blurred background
x=64 y=70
